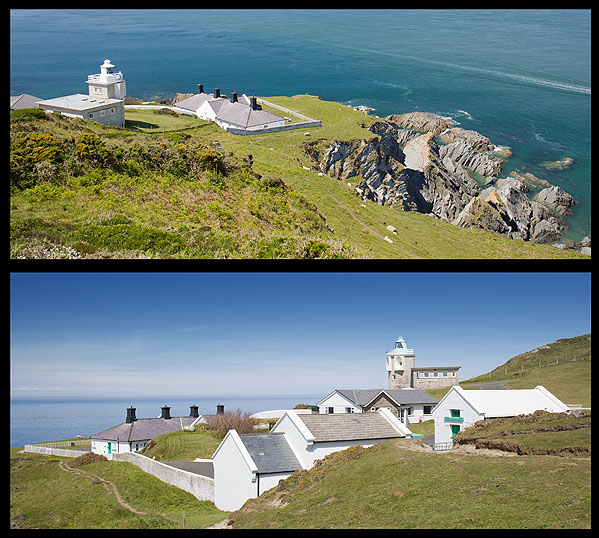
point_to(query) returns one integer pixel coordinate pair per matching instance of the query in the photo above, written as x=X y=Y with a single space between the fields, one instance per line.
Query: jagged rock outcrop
x=471 y=138
x=425 y=122
x=408 y=170
x=556 y=199
x=481 y=163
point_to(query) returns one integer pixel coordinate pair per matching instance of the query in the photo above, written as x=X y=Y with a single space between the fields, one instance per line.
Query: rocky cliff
x=404 y=167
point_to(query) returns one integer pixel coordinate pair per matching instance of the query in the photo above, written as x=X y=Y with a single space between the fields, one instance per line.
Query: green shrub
x=26 y=114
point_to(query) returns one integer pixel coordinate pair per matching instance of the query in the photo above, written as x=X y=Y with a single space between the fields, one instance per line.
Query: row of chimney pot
x=166 y=412
x=233 y=98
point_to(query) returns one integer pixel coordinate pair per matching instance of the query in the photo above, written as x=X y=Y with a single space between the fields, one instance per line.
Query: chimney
x=253 y=104
x=193 y=411
x=233 y=97
x=200 y=88
x=216 y=93
x=130 y=415
x=166 y=412
x=220 y=409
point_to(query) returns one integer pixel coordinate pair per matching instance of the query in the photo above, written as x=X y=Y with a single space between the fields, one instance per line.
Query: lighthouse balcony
x=99 y=77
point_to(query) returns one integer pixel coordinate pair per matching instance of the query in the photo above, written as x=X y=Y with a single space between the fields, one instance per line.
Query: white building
x=236 y=114
x=409 y=405
x=402 y=372
x=104 y=103
x=133 y=434
x=461 y=408
x=247 y=465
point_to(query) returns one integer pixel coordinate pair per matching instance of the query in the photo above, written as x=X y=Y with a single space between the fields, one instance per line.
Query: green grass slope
x=83 y=190
x=392 y=486
x=43 y=495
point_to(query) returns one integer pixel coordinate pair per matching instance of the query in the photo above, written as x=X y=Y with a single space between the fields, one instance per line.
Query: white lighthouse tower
x=400 y=362
x=107 y=84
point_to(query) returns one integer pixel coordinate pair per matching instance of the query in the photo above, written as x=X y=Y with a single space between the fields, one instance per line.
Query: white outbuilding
x=460 y=408
x=247 y=465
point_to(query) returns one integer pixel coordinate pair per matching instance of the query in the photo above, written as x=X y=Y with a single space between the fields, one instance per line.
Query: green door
x=455 y=429
x=110 y=451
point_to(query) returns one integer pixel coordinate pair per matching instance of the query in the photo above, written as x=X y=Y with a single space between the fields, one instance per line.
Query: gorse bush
x=238 y=421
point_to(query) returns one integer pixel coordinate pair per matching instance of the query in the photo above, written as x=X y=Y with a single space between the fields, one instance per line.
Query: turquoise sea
x=520 y=77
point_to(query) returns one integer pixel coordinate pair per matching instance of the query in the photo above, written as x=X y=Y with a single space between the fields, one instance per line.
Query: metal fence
x=440 y=447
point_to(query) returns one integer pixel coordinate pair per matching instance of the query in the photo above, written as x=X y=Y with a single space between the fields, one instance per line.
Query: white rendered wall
x=453 y=400
x=338 y=403
x=232 y=477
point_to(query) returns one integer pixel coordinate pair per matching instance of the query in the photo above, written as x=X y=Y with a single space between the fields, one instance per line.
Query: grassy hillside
x=393 y=486
x=563 y=367
x=46 y=495
x=182 y=445
x=82 y=190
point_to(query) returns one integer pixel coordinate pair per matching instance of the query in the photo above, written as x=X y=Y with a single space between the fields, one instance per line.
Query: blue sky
x=178 y=334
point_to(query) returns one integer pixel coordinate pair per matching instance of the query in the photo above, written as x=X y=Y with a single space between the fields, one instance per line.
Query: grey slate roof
x=144 y=428
x=362 y=397
x=195 y=101
x=349 y=427
x=270 y=452
x=23 y=101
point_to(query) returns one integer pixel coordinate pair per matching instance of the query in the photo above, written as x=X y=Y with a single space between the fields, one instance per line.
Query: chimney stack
x=130 y=415
x=216 y=93
x=193 y=411
x=233 y=97
x=166 y=412
x=253 y=104
x=200 y=88
x=220 y=409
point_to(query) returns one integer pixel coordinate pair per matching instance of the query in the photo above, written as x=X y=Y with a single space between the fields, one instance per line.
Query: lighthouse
x=107 y=84
x=400 y=361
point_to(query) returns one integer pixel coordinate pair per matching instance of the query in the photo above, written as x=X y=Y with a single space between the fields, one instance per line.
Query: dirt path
x=106 y=483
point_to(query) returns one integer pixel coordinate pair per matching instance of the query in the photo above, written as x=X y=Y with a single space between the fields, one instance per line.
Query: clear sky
x=177 y=334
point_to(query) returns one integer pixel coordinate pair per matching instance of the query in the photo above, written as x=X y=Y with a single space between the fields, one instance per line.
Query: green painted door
x=109 y=449
x=455 y=429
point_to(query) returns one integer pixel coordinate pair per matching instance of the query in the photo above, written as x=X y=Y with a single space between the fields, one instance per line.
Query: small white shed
x=461 y=408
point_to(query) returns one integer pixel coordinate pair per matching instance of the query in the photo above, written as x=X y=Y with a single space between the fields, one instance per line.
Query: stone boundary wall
x=34 y=449
x=201 y=487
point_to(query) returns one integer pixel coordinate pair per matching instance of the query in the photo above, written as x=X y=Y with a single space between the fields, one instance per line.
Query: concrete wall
x=201 y=487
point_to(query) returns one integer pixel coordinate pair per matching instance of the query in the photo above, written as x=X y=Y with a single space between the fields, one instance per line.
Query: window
x=428 y=409
x=98 y=90
x=444 y=374
x=410 y=410
x=349 y=409
x=436 y=374
x=425 y=374
x=330 y=410
x=454 y=412
x=91 y=114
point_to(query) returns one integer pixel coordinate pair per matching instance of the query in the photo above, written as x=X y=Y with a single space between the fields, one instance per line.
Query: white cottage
x=133 y=434
x=409 y=405
x=247 y=465
x=240 y=114
x=461 y=408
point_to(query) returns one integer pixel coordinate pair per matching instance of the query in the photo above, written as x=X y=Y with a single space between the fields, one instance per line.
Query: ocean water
x=34 y=420
x=520 y=77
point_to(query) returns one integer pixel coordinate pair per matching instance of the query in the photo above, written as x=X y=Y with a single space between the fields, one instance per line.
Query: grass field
x=392 y=486
x=165 y=209
x=43 y=495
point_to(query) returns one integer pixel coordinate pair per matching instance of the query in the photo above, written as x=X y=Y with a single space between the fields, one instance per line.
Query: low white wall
x=201 y=487
x=33 y=449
